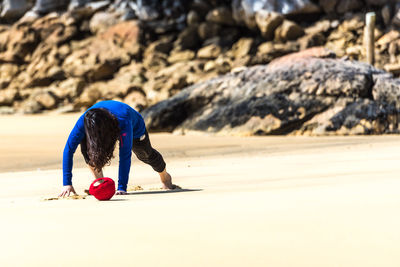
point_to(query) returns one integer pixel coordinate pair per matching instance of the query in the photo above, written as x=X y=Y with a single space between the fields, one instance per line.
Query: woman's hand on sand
x=67 y=190
x=120 y=192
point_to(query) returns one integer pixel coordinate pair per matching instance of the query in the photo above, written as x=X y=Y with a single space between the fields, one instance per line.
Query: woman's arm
x=74 y=139
x=125 y=153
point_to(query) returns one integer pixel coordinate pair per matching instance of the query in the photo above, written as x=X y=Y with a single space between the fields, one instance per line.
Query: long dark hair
x=102 y=132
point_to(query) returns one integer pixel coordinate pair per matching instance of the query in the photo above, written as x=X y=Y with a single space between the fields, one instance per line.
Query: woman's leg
x=147 y=154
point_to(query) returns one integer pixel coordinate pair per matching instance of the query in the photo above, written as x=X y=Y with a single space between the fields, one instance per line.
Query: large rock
x=14 y=9
x=348 y=5
x=46 y=6
x=288 y=30
x=328 y=5
x=18 y=43
x=96 y=59
x=244 y=11
x=304 y=93
x=267 y=22
x=221 y=15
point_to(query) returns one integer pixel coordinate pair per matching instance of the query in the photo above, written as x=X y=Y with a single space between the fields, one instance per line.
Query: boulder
x=14 y=9
x=18 y=43
x=377 y=2
x=7 y=97
x=288 y=30
x=7 y=73
x=177 y=56
x=68 y=89
x=244 y=11
x=101 y=21
x=221 y=15
x=304 y=93
x=328 y=6
x=95 y=59
x=47 y=6
x=54 y=30
x=242 y=48
x=187 y=39
x=267 y=23
x=207 y=30
x=210 y=51
x=345 y=6
x=46 y=99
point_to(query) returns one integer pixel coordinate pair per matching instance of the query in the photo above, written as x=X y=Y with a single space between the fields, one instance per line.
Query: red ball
x=104 y=190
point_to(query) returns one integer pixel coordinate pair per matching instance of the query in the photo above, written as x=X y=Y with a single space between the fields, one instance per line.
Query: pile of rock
x=67 y=61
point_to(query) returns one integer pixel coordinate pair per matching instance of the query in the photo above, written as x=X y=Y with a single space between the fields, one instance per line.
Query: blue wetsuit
x=132 y=126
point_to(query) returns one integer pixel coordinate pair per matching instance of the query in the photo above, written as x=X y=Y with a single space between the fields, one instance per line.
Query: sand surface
x=261 y=201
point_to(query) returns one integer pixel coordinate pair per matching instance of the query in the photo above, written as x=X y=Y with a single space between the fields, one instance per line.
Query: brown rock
x=242 y=47
x=46 y=99
x=210 y=51
x=192 y=18
x=18 y=43
x=44 y=66
x=181 y=56
x=125 y=34
x=70 y=88
x=221 y=15
x=321 y=27
x=207 y=30
x=388 y=38
x=267 y=22
x=311 y=40
x=155 y=61
x=348 y=5
x=187 y=39
x=30 y=106
x=90 y=96
x=288 y=31
x=8 y=96
x=95 y=59
x=328 y=6
x=7 y=73
x=101 y=21
x=393 y=68
x=137 y=100
x=53 y=30
x=163 y=46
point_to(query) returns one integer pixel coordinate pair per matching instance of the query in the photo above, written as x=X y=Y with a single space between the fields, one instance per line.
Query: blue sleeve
x=125 y=153
x=74 y=139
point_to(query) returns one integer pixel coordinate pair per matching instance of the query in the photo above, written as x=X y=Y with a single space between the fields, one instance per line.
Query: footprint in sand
x=70 y=197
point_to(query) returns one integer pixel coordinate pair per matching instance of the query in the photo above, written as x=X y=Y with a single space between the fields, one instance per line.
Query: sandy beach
x=257 y=201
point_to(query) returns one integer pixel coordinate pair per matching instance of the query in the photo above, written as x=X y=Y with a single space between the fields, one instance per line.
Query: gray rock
x=221 y=15
x=378 y=2
x=284 y=97
x=348 y=5
x=14 y=9
x=328 y=6
x=244 y=11
x=101 y=21
x=46 y=6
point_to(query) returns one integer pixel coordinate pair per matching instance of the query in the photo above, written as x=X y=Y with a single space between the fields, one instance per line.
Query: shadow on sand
x=163 y=191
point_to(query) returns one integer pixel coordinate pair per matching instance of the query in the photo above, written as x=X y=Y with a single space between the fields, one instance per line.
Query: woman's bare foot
x=166 y=180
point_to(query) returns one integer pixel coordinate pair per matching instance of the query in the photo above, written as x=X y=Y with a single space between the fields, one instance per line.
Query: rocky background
x=214 y=66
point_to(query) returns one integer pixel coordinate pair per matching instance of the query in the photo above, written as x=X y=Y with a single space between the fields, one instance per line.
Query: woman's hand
x=67 y=190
